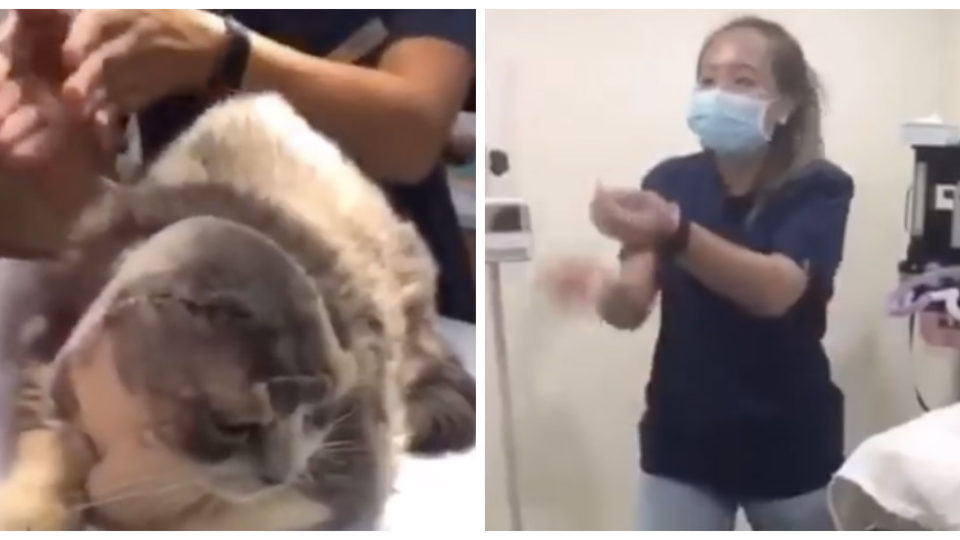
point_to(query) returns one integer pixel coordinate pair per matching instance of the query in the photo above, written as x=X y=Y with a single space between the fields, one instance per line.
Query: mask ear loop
x=762 y=117
x=782 y=121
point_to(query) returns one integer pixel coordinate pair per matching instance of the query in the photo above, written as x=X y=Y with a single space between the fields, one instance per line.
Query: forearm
x=625 y=300
x=765 y=285
x=382 y=120
x=622 y=307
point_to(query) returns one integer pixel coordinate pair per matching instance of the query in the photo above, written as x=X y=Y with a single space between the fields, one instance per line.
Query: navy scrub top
x=428 y=204
x=743 y=404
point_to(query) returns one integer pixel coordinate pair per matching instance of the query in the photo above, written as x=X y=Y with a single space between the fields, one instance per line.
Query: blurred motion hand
x=40 y=142
x=575 y=283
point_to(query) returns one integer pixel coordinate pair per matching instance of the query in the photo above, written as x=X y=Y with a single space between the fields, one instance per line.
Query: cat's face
x=204 y=398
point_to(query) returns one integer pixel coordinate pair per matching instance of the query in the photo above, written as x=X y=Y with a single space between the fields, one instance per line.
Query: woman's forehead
x=739 y=47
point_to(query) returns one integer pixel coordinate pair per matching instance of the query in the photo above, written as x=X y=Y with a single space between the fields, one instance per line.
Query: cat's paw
x=32 y=506
x=441 y=410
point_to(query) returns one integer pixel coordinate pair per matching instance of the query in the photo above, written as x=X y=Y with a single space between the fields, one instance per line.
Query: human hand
x=40 y=142
x=126 y=59
x=637 y=218
x=575 y=283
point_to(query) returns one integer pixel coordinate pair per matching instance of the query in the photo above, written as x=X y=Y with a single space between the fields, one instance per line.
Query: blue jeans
x=671 y=505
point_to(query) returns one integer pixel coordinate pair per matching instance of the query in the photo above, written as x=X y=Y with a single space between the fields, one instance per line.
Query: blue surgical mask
x=728 y=123
x=467 y=170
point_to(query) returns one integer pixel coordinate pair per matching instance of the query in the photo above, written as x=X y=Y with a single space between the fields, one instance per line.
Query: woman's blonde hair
x=797 y=142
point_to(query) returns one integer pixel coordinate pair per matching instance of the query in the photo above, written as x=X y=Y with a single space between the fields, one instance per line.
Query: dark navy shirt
x=428 y=204
x=739 y=403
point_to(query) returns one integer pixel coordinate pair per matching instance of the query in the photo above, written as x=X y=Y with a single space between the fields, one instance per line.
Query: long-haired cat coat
x=244 y=339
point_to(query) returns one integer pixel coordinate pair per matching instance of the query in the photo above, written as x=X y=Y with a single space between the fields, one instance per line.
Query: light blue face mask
x=467 y=170
x=728 y=123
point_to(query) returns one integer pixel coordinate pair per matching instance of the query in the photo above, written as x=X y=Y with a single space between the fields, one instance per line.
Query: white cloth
x=440 y=494
x=906 y=478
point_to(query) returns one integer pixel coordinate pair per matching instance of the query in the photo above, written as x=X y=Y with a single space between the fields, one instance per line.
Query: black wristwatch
x=669 y=247
x=228 y=73
x=676 y=243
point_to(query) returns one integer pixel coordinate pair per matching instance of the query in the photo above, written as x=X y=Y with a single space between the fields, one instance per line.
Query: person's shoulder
x=824 y=176
x=457 y=26
x=676 y=168
x=695 y=162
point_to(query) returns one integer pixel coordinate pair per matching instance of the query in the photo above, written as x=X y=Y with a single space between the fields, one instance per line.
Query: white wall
x=604 y=95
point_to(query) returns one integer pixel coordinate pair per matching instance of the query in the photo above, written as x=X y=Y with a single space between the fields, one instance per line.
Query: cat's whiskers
x=134 y=482
x=338 y=445
x=343 y=448
x=340 y=419
x=153 y=491
x=283 y=378
x=246 y=498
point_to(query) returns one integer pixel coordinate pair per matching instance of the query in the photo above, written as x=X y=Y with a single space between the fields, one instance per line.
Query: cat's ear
x=441 y=405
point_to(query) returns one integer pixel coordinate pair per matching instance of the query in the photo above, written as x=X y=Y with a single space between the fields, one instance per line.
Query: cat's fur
x=254 y=273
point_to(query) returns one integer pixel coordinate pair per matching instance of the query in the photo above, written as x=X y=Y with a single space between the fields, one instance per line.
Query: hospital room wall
x=603 y=96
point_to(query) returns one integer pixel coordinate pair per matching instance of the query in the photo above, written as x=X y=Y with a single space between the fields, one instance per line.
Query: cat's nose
x=275 y=463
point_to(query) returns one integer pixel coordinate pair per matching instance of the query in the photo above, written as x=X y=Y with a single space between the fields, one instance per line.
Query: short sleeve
x=813 y=232
x=654 y=180
x=458 y=26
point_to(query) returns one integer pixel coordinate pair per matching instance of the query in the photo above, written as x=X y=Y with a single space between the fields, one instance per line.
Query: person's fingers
x=33 y=145
x=11 y=93
x=640 y=227
x=4 y=67
x=24 y=121
x=125 y=85
x=7 y=23
x=7 y=27
x=108 y=129
x=80 y=87
x=95 y=102
x=629 y=198
x=16 y=46
x=35 y=40
x=605 y=198
x=38 y=17
x=104 y=68
x=120 y=99
x=601 y=214
x=89 y=31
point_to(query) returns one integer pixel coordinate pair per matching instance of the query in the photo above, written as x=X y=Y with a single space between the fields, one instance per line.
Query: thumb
x=37 y=36
x=79 y=88
x=601 y=193
x=599 y=186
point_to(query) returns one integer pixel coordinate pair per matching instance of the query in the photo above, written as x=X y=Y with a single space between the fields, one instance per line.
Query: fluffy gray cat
x=244 y=339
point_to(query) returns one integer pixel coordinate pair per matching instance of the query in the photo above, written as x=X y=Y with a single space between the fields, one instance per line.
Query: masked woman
x=741 y=242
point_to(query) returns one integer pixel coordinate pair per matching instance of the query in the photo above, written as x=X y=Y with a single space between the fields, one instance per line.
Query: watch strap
x=228 y=74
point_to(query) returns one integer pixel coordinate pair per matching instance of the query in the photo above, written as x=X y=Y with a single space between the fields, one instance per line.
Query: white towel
x=906 y=478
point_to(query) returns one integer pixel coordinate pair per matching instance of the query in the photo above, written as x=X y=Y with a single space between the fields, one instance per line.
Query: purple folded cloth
x=916 y=293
